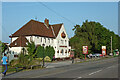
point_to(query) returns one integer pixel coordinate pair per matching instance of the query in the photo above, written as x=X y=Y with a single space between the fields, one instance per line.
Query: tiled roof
x=21 y=41
x=37 y=28
x=56 y=28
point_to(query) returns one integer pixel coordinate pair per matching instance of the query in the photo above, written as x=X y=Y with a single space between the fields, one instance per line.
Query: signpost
x=103 y=50
x=85 y=50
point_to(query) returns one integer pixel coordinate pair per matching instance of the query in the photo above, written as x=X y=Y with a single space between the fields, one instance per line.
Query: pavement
x=58 y=64
x=105 y=68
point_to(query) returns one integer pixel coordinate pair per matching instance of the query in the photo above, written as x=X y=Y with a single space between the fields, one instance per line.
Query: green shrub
x=47 y=58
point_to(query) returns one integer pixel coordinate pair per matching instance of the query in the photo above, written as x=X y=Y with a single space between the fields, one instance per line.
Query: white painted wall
x=16 y=49
x=40 y=40
x=28 y=38
x=14 y=38
x=59 y=43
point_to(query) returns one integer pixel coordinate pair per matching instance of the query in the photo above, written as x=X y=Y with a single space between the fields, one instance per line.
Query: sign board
x=104 y=50
x=85 y=49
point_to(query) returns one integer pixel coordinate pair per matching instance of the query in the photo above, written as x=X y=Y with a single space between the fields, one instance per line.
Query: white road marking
x=77 y=78
x=95 y=72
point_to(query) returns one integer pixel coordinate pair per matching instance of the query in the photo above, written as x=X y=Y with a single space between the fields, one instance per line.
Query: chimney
x=46 y=22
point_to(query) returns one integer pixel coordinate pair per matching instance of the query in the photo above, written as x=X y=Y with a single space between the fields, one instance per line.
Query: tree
x=39 y=52
x=23 y=60
x=31 y=50
x=3 y=47
x=93 y=35
x=49 y=51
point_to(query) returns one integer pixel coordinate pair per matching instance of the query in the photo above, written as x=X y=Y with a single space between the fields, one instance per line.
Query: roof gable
x=19 y=42
x=56 y=28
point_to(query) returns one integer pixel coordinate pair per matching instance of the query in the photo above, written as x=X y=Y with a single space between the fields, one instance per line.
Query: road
x=106 y=68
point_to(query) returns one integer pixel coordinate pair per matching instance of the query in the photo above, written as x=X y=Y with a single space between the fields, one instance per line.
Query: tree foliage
x=31 y=48
x=3 y=47
x=93 y=35
x=39 y=52
x=47 y=51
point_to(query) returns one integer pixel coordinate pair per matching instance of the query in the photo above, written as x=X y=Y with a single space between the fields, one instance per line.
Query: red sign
x=104 y=50
x=63 y=35
x=85 y=49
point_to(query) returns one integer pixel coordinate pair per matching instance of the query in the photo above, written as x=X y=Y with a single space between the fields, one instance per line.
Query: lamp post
x=43 y=53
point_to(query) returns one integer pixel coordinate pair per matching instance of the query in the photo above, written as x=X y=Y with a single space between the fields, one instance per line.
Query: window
x=65 y=51
x=69 y=51
x=41 y=39
x=49 y=40
x=58 y=51
x=31 y=38
x=61 y=41
x=45 y=40
x=15 y=55
x=52 y=40
x=62 y=51
x=65 y=41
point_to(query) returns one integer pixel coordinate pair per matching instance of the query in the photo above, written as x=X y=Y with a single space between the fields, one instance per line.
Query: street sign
x=85 y=49
x=104 y=50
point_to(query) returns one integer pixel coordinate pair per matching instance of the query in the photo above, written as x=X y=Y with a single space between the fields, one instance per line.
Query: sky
x=16 y=14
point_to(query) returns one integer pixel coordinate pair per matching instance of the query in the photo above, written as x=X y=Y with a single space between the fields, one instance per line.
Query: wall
x=61 y=42
x=14 y=38
x=16 y=49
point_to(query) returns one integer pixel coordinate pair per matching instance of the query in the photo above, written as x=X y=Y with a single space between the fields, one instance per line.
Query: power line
x=57 y=13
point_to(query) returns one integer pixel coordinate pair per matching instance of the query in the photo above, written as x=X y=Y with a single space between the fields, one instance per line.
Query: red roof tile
x=56 y=28
x=37 y=28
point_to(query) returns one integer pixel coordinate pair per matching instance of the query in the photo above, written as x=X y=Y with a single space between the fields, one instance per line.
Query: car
x=93 y=55
x=97 y=55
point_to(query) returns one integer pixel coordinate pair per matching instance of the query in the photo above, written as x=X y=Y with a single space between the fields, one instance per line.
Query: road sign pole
x=85 y=57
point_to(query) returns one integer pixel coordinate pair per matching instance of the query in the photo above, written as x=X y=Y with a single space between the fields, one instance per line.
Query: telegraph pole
x=111 y=44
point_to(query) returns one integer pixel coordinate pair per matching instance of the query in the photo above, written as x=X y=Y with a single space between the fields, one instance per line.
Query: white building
x=41 y=33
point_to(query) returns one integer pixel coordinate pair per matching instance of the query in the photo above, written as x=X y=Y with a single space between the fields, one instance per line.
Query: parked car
x=97 y=55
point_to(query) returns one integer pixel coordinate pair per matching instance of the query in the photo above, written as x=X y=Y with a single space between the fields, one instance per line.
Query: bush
x=47 y=58
x=14 y=62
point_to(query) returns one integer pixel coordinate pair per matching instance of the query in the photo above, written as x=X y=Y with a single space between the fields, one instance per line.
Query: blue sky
x=16 y=14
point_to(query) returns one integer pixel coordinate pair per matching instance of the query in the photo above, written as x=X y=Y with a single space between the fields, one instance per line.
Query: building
x=41 y=33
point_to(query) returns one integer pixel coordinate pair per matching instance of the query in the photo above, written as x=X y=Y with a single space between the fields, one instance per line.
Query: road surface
x=106 y=68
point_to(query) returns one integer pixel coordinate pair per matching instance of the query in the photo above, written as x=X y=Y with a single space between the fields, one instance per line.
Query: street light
x=43 y=53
